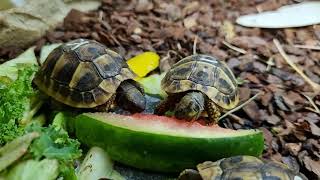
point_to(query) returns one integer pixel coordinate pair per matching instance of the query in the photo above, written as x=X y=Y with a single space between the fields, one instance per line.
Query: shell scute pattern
x=206 y=74
x=85 y=78
x=85 y=50
x=65 y=68
x=82 y=73
x=53 y=57
x=246 y=167
x=107 y=66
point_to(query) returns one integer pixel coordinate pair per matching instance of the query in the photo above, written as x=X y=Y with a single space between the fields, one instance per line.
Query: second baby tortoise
x=198 y=83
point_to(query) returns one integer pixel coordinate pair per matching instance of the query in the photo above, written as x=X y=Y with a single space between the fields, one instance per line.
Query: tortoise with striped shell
x=196 y=84
x=85 y=74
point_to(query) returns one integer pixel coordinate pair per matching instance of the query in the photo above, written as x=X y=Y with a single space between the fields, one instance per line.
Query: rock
x=84 y=5
x=22 y=25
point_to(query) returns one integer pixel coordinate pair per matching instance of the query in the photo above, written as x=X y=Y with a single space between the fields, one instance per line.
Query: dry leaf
x=314 y=128
x=144 y=5
x=248 y=42
x=273 y=119
x=191 y=8
x=173 y=11
x=312 y=165
x=252 y=110
x=227 y=29
x=190 y=21
x=294 y=148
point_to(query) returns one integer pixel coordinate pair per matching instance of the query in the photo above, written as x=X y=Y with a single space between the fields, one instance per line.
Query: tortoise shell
x=82 y=73
x=247 y=167
x=206 y=74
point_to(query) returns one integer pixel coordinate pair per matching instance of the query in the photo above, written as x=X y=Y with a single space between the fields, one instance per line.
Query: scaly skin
x=190 y=106
x=131 y=97
x=167 y=104
x=213 y=111
x=106 y=106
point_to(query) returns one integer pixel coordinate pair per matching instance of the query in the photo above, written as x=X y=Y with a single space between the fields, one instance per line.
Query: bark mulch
x=289 y=121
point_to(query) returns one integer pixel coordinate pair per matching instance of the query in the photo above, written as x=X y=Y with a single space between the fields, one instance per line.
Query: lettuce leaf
x=19 y=102
x=47 y=169
x=54 y=143
x=15 y=149
x=10 y=68
x=46 y=50
x=152 y=85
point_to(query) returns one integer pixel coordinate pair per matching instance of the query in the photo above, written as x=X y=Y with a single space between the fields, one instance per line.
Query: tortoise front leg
x=213 y=112
x=130 y=96
x=106 y=106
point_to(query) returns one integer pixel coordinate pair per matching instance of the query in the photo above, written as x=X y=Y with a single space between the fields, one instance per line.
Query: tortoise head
x=131 y=97
x=190 y=106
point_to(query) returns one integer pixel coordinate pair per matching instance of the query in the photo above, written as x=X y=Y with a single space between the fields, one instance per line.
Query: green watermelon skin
x=147 y=148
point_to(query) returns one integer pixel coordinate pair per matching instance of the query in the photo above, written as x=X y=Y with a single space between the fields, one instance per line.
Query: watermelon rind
x=163 y=146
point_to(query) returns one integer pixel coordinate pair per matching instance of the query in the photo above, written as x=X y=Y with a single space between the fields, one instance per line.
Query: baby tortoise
x=85 y=74
x=198 y=83
x=241 y=168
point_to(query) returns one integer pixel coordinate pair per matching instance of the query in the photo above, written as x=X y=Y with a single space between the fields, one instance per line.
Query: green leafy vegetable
x=67 y=171
x=10 y=68
x=152 y=85
x=60 y=120
x=52 y=152
x=54 y=143
x=9 y=131
x=65 y=120
x=15 y=149
x=47 y=169
x=15 y=98
x=19 y=102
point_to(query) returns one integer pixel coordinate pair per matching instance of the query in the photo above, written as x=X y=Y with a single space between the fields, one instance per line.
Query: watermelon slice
x=163 y=144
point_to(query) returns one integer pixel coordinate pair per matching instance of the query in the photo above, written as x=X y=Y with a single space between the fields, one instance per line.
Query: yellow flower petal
x=144 y=63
